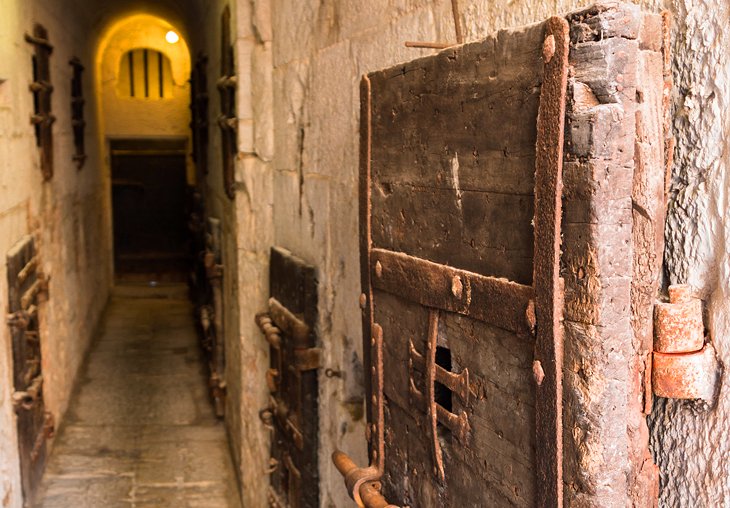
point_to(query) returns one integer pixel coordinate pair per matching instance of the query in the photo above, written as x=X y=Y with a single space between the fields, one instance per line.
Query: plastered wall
x=127 y=117
x=67 y=214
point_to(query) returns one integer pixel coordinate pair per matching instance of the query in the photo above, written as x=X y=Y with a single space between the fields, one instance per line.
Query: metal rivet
x=378 y=269
x=548 y=48
x=456 y=286
x=537 y=372
x=363 y=300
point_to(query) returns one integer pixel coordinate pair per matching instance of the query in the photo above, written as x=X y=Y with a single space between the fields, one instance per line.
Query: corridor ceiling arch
x=143 y=93
x=152 y=63
x=140 y=31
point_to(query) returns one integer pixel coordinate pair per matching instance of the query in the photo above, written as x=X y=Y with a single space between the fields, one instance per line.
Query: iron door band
x=537 y=307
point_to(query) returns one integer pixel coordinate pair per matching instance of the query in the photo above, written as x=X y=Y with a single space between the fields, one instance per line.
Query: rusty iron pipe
x=365 y=492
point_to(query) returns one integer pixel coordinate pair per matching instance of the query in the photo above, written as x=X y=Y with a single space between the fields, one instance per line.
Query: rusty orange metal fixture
x=684 y=366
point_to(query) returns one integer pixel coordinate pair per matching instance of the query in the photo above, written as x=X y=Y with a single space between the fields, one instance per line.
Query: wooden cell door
x=461 y=160
x=149 y=202
x=35 y=425
x=293 y=415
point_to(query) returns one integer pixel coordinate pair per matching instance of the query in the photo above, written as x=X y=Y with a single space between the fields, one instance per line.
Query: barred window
x=145 y=74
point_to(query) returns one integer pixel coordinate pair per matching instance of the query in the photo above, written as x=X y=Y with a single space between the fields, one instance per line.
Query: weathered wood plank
x=501 y=411
x=459 y=193
x=613 y=199
x=294 y=284
x=481 y=232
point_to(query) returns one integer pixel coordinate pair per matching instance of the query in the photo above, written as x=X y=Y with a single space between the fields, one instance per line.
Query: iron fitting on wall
x=684 y=366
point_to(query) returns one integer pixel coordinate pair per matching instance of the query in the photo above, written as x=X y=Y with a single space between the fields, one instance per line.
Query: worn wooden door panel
x=35 y=425
x=468 y=181
x=293 y=414
x=460 y=233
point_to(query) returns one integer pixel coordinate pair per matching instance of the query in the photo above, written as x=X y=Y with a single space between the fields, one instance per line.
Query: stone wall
x=68 y=213
x=688 y=439
x=299 y=63
x=319 y=51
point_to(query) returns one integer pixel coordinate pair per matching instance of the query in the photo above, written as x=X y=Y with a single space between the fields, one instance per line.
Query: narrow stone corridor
x=141 y=431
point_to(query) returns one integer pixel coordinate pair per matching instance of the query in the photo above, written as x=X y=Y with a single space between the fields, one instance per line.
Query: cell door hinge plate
x=684 y=363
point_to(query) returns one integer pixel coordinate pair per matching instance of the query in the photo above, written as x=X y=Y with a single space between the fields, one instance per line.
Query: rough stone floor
x=140 y=431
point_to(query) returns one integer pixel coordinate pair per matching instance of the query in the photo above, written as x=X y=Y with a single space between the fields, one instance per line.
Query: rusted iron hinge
x=684 y=365
x=213 y=270
x=27 y=398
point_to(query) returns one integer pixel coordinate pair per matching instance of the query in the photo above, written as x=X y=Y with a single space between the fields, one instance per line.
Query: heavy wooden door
x=35 y=425
x=149 y=192
x=461 y=160
x=292 y=416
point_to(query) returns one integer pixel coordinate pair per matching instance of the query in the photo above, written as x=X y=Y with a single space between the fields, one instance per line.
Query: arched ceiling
x=183 y=14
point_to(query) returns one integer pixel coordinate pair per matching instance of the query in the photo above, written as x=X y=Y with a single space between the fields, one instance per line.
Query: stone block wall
x=316 y=52
x=69 y=214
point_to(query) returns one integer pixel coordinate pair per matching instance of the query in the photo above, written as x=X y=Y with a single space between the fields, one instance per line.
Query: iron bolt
x=537 y=372
x=456 y=286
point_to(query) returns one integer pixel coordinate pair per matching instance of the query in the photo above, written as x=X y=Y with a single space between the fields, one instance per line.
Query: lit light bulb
x=172 y=37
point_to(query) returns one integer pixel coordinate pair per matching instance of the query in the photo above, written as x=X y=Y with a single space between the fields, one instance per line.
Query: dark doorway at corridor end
x=149 y=202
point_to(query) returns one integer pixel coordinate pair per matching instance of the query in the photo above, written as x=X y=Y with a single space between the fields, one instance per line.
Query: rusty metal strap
x=29 y=296
x=288 y=323
x=307 y=358
x=227 y=82
x=457 y=424
x=27 y=270
x=495 y=301
x=49 y=428
x=547 y=283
